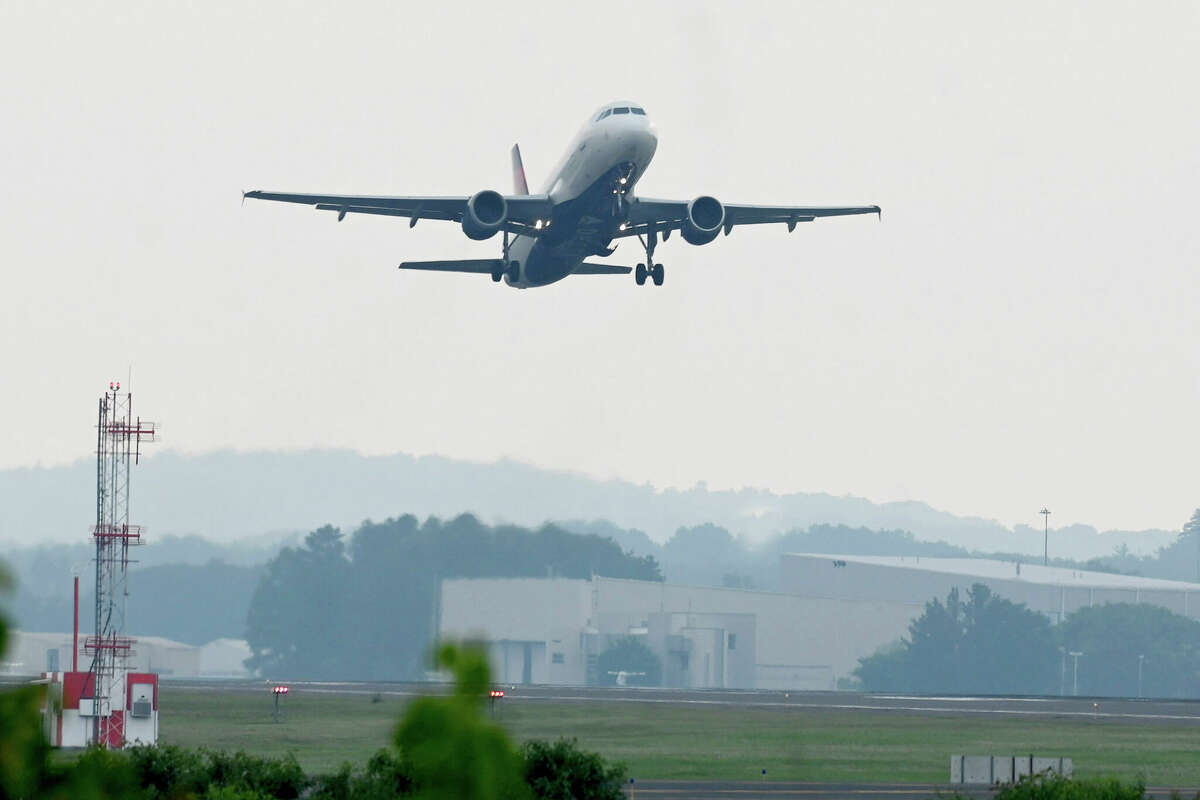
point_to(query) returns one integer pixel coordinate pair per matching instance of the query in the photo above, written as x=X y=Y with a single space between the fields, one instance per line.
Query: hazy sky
x=1019 y=331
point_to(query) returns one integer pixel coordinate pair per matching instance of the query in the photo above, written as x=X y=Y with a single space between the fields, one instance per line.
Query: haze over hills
x=229 y=496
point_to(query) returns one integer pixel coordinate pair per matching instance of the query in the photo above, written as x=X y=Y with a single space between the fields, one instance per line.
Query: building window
x=556 y=658
x=733 y=641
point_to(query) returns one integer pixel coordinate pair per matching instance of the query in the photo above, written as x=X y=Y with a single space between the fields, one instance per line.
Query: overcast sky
x=1019 y=330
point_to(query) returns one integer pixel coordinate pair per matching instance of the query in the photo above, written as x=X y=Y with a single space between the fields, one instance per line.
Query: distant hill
x=228 y=497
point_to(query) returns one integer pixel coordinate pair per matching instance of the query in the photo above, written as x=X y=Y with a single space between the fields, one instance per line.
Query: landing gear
x=506 y=267
x=649 y=270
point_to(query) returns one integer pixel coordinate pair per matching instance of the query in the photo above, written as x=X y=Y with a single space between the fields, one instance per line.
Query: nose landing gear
x=649 y=270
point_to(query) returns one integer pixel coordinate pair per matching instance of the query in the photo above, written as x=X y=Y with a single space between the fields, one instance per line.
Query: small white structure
x=992 y=770
x=71 y=708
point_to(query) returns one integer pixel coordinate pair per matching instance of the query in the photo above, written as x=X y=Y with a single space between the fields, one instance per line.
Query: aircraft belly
x=546 y=265
x=585 y=213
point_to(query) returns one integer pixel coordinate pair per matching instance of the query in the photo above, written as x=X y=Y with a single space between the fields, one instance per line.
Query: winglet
x=879 y=213
x=520 y=185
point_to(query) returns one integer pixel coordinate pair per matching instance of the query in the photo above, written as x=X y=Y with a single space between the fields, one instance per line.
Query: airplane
x=588 y=202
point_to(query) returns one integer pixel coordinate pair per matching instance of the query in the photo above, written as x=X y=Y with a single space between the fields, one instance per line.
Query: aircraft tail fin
x=520 y=185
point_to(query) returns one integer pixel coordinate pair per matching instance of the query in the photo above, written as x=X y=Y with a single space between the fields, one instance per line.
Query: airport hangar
x=832 y=611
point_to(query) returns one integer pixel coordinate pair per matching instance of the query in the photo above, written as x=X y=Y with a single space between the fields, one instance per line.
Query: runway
x=782 y=790
x=1140 y=711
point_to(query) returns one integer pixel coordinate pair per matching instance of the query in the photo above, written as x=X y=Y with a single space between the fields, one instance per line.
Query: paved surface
x=773 y=790
x=1082 y=708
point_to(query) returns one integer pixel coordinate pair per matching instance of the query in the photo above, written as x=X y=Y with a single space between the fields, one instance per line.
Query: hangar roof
x=1013 y=571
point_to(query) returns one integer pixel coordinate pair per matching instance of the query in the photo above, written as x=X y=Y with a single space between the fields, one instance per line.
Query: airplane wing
x=523 y=210
x=477 y=265
x=664 y=216
x=592 y=268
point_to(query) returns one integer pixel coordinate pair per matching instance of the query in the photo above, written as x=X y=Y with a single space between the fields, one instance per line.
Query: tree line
x=363 y=607
x=985 y=644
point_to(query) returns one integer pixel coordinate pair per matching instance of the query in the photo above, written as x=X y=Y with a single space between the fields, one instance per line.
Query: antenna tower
x=119 y=436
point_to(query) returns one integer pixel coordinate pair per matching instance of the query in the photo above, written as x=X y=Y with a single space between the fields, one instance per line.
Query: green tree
x=984 y=643
x=367 y=610
x=561 y=771
x=628 y=656
x=1113 y=635
x=453 y=750
x=295 y=624
x=1191 y=530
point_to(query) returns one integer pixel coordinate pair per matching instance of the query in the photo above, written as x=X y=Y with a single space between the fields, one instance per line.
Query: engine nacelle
x=485 y=215
x=705 y=216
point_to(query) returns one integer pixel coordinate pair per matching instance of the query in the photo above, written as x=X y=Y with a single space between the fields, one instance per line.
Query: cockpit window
x=622 y=110
x=637 y=110
x=604 y=114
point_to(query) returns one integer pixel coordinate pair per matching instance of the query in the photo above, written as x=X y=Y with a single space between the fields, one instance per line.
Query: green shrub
x=561 y=771
x=216 y=792
x=169 y=771
x=1048 y=786
x=386 y=776
x=280 y=778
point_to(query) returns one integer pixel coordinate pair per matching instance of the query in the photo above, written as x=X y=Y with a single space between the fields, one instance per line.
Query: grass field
x=699 y=743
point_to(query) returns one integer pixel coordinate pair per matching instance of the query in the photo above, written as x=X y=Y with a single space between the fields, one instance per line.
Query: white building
x=552 y=630
x=833 y=611
x=31 y=653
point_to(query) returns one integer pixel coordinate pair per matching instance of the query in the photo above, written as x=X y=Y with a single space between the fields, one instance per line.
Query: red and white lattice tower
x=119 y=436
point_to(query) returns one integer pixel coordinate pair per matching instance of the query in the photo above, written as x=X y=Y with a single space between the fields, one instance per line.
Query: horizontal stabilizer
x=587 y=268
x=485 y=266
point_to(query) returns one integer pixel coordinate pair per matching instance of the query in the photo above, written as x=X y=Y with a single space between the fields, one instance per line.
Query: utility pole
x=1075 y=654
x=1045 y=512
x=1062 y=673
x=1141 y=658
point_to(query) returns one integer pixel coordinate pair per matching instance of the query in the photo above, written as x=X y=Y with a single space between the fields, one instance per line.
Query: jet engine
x=705 y=216
x=485 y=214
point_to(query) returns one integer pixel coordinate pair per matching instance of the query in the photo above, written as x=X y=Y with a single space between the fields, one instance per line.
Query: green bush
x=280 y=778
x=174 y=772
x=386 y=776
x=561 y=771
x=169 y=771
x=1048 y=786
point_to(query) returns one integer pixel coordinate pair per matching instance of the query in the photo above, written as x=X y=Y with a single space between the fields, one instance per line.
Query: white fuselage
x=589 y=188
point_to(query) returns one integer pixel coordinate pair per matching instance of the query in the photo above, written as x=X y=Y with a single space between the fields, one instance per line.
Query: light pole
x=1141 y=658
x=1075 y=654
x=1062 y=673
x=1045 y=512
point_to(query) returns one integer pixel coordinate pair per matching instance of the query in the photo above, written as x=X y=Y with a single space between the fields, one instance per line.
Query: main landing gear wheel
x=649 y=269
